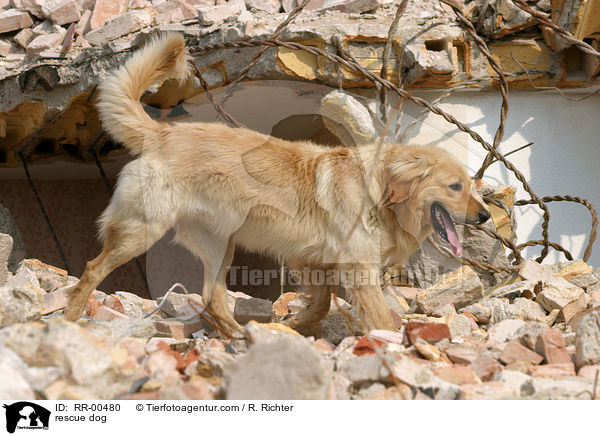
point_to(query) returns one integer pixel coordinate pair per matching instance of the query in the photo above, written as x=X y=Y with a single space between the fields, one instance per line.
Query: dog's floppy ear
x=404 y=174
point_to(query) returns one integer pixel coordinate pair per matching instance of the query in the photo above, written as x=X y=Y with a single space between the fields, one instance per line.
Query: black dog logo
x=24 y=414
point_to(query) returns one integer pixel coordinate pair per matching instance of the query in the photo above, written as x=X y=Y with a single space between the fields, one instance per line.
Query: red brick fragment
x=181 y=362
x=114 y=303
x=365 y=346
x=514 y=351
x=428 y=331
x=92 y=306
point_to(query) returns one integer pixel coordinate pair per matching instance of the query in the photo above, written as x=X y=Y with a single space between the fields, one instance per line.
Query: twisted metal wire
x=483 y=48
x=354 y=66
x=593 y=232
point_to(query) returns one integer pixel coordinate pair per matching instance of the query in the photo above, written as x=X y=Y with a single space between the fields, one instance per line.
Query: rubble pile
x=38 y=27
x=535 y=336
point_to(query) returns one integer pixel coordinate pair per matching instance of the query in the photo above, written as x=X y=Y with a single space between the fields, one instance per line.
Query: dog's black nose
x=484 y=215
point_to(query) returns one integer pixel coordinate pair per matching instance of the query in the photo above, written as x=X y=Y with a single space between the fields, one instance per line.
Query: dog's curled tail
x=119 y=103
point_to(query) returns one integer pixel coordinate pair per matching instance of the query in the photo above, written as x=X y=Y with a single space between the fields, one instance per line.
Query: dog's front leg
x=368 y=300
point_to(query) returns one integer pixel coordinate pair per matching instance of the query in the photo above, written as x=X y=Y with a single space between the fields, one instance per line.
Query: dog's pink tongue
x=452 y=235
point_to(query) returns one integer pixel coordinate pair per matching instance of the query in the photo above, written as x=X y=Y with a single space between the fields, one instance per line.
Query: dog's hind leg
x=319 y=302
x=122 y=243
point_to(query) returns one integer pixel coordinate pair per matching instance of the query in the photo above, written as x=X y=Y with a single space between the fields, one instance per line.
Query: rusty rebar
x=543 y=19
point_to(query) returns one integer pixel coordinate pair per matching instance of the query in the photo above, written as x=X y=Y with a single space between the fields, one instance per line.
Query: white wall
x=565 y=157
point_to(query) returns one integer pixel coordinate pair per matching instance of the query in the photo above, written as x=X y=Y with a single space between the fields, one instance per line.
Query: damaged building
x=57 y=164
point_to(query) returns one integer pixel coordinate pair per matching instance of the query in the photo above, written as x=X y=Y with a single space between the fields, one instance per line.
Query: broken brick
x=114 y=303
x=92 y=305
x=589 y=371
x=105 y=313
x=514 y=351
x=24 y=37
x=366 y=346
x=551 y=345
x=485 y=366
x=280 y=307
x=179 y=328
x=430 y=352
x=324 y=345
x=428 y=331
x=464 y=353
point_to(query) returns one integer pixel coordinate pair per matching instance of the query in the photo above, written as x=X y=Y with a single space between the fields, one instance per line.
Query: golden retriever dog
x=219 y=187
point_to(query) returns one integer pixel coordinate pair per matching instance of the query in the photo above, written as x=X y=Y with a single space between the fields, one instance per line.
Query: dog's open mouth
x=443 y=225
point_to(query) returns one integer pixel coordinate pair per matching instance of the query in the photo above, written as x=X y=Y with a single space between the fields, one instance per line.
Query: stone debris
x=255 y=309
x=119 y=26
x=278 y=370
x=460 y=288
x=116 y=351
x=13 y=19
x=347 y=118
x=568 y=300
x=552 y=346
x=514 y=352
x=587 y=341
x=215 y=14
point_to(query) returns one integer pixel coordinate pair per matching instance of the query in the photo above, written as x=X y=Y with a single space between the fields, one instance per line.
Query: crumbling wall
x=51 y=60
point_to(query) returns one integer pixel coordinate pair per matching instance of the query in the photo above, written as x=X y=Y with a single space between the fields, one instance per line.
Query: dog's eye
x=456 y=187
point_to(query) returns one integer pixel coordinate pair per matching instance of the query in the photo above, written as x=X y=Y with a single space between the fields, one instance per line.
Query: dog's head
x=429 y=188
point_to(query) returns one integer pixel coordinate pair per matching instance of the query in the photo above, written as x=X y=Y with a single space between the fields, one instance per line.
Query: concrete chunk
x=280 y=370
x=216 y=14
x=44 y=42
x=271 y=6
x=129 y=22
x=20 y=304
x=460 y=287
x=587 y=341
x=255 y=309
x=347 y=118
x=13 y=19
x=568 y=299
x=62 y=11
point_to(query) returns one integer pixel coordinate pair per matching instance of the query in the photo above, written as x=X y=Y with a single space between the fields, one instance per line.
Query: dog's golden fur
x=219 y=187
